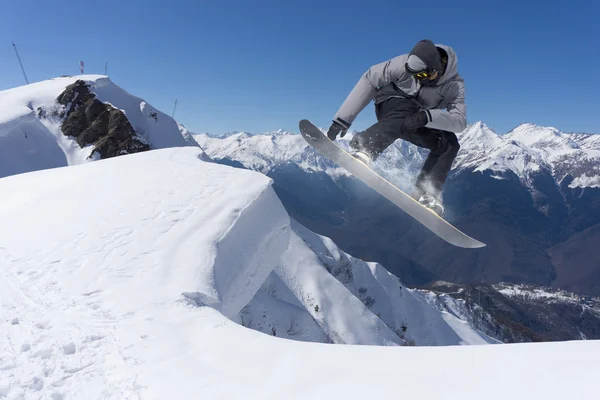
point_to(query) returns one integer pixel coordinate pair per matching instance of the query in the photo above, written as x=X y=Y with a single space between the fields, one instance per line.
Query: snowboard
x=423 y=215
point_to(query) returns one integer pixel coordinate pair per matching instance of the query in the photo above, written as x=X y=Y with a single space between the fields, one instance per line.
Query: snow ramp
x=145 y=228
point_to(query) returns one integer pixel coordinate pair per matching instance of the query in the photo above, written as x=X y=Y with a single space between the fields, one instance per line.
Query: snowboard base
x=361 y=171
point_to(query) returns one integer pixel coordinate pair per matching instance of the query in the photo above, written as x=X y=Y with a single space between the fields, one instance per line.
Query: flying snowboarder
x=419 y=97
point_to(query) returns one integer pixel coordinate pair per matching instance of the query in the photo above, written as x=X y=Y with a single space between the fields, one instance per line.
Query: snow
x=343 y=317
x=587 y=140
x=169 y=221
x=523 y=290
x=483 y=149
x=162 y=275
x=530 y=149
x=88 y=250
x=263 y=152
x=525 y=151
x=26 y=145
x=30 y=141
x=116 y=271
x=22 y=100
x=214 y=358
x=530 y=134
x=384 y=295
x=156 y=127
x=586 y=181
x=187 y=135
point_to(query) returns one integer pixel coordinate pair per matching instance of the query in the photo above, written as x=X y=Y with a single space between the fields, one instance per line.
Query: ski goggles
x=420 y=75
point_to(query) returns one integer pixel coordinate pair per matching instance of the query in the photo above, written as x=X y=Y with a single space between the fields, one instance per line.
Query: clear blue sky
x=257 y=65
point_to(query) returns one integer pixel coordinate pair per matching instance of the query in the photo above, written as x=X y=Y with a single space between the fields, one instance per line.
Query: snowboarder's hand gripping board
x=429 y=219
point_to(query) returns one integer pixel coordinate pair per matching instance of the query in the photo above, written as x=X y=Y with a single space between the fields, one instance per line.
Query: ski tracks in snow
x=50 y=353
x=86 y=289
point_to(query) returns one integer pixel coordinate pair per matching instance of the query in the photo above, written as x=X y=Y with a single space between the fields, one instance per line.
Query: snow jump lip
x=433 y=222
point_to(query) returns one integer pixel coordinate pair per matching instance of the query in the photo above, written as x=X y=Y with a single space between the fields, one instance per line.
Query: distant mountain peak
x=279 y=132
x=525 y=150
x=478 y=130
x=478 y=125
x=543 y=137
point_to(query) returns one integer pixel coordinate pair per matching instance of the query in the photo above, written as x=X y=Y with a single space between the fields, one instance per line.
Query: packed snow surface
x=124 y=279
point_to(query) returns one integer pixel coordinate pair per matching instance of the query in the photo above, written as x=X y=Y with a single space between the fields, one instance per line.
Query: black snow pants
x=443 y=145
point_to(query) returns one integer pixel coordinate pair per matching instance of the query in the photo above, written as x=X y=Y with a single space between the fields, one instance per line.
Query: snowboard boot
x=360 y=152
x=362 y=156
x=432 y=204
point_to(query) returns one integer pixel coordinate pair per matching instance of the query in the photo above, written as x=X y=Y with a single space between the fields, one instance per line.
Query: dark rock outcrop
x=92 y=122
x=121 y=138
x=73 y=97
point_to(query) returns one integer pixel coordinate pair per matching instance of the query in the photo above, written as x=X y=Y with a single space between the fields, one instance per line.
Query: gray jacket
x=445 y=100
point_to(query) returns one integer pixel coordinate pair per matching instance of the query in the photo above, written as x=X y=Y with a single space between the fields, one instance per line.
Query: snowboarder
x=419 y=97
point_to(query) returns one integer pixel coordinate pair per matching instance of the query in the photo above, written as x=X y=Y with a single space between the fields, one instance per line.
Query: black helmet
x=424 y=60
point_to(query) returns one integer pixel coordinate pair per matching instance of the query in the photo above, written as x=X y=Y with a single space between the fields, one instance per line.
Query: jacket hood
x=451 y=67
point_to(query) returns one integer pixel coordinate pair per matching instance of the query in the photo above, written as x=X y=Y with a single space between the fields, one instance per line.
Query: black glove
x=336 y=129
x=415 y=121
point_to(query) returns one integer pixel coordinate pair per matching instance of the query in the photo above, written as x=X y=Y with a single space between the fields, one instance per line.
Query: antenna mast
x=20 y=63
x=174 y=107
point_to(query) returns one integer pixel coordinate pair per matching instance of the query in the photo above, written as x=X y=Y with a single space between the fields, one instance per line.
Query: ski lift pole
x=20 y=62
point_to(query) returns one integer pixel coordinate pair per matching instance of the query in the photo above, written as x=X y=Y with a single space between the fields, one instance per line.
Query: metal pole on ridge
x=174 y=107
x=20 y=63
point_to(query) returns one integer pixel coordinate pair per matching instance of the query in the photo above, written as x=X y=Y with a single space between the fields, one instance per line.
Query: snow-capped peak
x=525 y=150
x=529 y=148
x=265 y=151
x=279 y=132
x=483 y=149
x=587 y=141
x=31 y=135
x=479 y=136
x=544 y=138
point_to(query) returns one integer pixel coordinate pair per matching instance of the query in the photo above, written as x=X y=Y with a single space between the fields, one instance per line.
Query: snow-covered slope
x=586 y=140
x=30 y=128
x=187 y=135
x=116 y=271
x=142 y=206
x=482 y=149
x=158 y=128
x=322 y=285
x=108 y=299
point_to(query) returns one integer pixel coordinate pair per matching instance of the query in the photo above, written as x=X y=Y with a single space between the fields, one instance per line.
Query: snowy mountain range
x=136 y=275
x=528 y=149
x=533 y=195
x=524 y=151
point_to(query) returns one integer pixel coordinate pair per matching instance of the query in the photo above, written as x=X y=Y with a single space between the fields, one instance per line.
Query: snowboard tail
x=426 y=217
